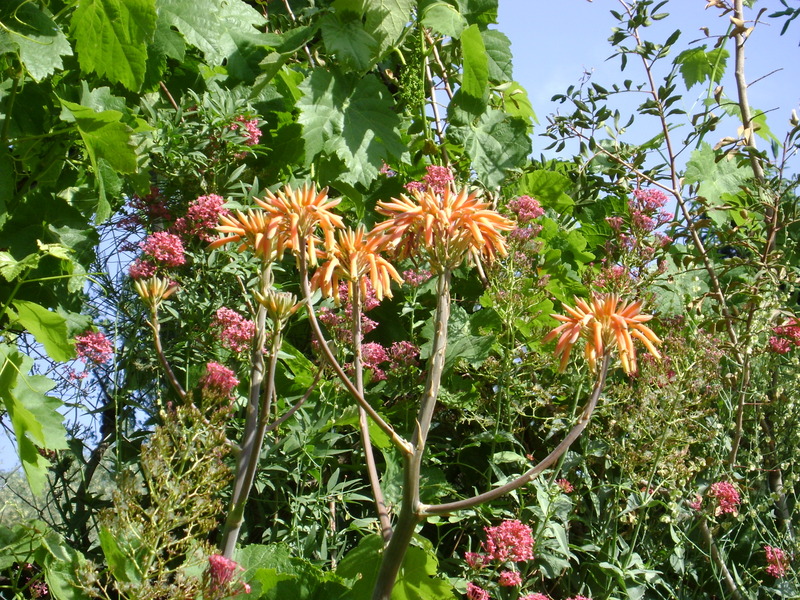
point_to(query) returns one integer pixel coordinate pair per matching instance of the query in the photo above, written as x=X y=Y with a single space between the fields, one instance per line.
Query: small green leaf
x=444 y=19
x=498 y=53
x=31 y=28
x=11 y=268
x=122 y=566
x=125 y=27
x=696 y=65
x=49 y=329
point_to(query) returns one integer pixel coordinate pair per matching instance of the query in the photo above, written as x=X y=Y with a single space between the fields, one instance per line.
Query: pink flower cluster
x=646 y=213
x=727 y=497
x=141 y=269
x=511 y=540
x=402 y=354
x=526 y=208
x=153 y=206
x=220 y=573
x=251 y=131
x=235 y=332
x=373 y=355
x=202 y=216
x=777 y=561
x=509 y=579
x=164 y=248
x=565 y=485
x=218 y=382
x=437 y=180
x=416 y=278
x=94 y=347
x=534 y=596
x=785 y=337
x=475 y=592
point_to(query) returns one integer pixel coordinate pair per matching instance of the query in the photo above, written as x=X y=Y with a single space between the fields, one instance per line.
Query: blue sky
x=555 y=42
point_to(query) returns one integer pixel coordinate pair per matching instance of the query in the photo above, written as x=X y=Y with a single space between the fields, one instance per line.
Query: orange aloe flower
x=447 y=227
x=252 y=229
x=299 y=213
x=355 y=257
x=604 y=322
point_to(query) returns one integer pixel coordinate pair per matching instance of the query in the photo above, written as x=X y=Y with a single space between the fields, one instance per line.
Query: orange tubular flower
x=298 y=213
x=604 y=322
x=355 y=258
x=253 y=229
x=447 y=227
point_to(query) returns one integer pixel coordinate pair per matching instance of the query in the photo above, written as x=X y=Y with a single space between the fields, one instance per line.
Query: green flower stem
x=411 y=512
x=550 y=459
x=251 y=446
x=403 y=445
x=363 y=422
x=155 y=326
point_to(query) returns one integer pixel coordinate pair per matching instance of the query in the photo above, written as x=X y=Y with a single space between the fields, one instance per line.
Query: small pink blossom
x=511 y=540
x=219 y=381
x=386 y=170
x=165 y=248
x=403 y=354
x=509 y=579
x=373 y=355
x=221 y=572
x=415 y=186
x=141 y=269
x=526 y=208
x=779 y=345
x=475 y=592
x=642 y=221
x=565 y=485
x=202 y=216
x=778 y=561
x=650 y=200
x=236 y=332
x=438 y=179
x=251 y=131
x=416 y=278
x=697 y=503
x=474 y=560
x=615 y=222
x=579 y=597
x=534 y=596
x=94 y=347
x=726 y=496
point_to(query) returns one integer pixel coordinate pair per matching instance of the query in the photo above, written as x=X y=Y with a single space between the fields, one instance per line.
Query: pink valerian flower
x=221 y=573
x=534 y=596
x=650 y=200
x=93 y=347
x=579 y=597
x=416 y=278
x=697 y=503
x=153 y=206
x=727 y=497
x=141 y=269
x=202 y=217
x=386 y=170
x=785 y=337
x=218 y=382
x=777 y=561
x=565 y=485
x=373 y=355
x=642 y=221
x=251 y=131
x=615 y=222
x=509 y=579
x=511 y=540
x=522 y=234
x=475 y=592
x=236 y=332
x=402 y=354
x=165 y=248
x=475 y=560
x=526 y=208
x=437 y=179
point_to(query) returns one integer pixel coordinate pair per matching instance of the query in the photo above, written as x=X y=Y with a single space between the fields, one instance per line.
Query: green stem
x=410 y=508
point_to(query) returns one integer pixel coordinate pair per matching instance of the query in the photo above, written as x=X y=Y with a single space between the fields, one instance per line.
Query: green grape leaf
x=104 y=136
x=444 y=18
x=494 y=144
x=40 y=41
x=125 y=28
x=347 y=38
x=548 y=188
x=49 y=329
x=475 y=74
x=211 y=25
x=387 y=19
x=34 y=415
x=352 y=118
x=715 y=178
x=479 y=12
x=498 y=53
x=697 y=66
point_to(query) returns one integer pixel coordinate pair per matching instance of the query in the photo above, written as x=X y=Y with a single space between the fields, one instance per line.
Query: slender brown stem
x=716 y=557
x=168 y=95
x=155 y=327
x=288 y=414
